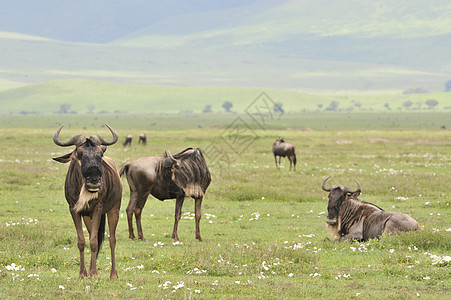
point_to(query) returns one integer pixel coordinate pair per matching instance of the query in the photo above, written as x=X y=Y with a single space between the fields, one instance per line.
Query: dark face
x=90 y=157
x=336 y=197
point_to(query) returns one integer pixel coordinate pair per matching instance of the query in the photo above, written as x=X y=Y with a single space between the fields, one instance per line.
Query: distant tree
x=333 y=105
x=207 y=109
x=278 y=108
x=448 y=86
x=407 y=104
x=387 y=106
x=64 y=109
x=358 y=105
x=319 y=106
x=227 y=106
x=431 y=103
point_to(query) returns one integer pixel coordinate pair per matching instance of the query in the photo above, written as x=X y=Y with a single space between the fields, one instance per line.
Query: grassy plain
x=98 y=96
x=264 y=230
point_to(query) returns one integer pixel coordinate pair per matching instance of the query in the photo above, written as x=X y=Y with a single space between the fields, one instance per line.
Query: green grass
x=264 y=230
x=110 y=97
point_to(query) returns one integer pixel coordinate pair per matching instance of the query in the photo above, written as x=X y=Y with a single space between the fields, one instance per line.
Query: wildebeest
x=93 y=188
x=166 y=177
x=348 y=218
x=128 y=140
x=143 y=139
x=281 y=149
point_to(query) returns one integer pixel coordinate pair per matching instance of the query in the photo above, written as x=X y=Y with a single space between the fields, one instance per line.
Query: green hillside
x=299 y=45
x=83 y=96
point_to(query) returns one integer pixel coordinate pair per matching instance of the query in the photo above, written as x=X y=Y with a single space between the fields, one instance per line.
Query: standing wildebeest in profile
x=93 y=188
x=128 y=140
x=166 y=177
x=143 y=139
x=281 y=149
x=348 y=218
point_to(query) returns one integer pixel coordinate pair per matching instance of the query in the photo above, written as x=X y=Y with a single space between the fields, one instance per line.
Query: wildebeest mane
x=192 y=175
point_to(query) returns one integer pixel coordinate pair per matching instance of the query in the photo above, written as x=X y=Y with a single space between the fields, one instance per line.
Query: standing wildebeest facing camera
x=128 y=140
x=281 y=149
x=166 y=177
x=93 y=188
x=348 y=218
x=142 y=139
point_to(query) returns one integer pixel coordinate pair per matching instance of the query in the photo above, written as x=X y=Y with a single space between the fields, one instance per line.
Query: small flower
x=62 y=287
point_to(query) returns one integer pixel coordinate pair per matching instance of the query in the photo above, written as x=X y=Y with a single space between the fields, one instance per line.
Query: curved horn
x=76 y=140
x=171 y=157
x=358 y=190
x=169 y=160
x=323 y=185
x=107 y=143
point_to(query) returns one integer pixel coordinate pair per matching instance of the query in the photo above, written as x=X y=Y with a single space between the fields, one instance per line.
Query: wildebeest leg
x=198 y=213
x=291 y=160
x=135 y=201
x=80 y=242
x=93 y=224
x=275 y=159
x=178 y=215
x=113 y=217
x=138 y=210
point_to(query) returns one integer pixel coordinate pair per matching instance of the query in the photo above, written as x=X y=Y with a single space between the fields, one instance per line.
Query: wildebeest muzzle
x=92 y=173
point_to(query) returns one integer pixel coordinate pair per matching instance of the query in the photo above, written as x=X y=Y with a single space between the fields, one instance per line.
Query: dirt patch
x=379 y=140
x=342 y=142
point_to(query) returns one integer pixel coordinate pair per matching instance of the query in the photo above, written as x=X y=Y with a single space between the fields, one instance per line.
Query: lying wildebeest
x=348 y=218
x=93 y=188
x=143 y=139
x=166 y=177
x=281 y=149
x=128 y=140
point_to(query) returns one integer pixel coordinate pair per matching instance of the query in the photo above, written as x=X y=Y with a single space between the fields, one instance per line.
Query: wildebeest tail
x=101 y=233
x=124 y=169
x=294 y=157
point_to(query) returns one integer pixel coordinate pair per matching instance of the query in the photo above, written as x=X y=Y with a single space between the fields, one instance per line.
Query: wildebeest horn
x=169 y=160
x=358 y=190
x=102 y=141
x=76 y=140
x=323 y=185
x=171 y=157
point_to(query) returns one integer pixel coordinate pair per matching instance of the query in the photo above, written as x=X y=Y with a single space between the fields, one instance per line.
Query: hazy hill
x=292 y=44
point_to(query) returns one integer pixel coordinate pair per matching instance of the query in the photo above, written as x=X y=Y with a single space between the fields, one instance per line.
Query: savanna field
x=264 y=229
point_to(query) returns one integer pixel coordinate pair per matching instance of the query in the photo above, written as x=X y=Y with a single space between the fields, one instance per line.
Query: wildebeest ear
x=103 y=148
x=63 y=159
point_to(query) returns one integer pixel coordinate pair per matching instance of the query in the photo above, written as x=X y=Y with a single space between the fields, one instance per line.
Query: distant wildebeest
x=128 y=140
x=348 y=218
x=281 y=149
x=143 y=139
x=166 y=177
x=93 y=188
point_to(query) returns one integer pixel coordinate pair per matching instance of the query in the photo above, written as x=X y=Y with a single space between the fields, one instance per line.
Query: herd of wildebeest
x=93 y=190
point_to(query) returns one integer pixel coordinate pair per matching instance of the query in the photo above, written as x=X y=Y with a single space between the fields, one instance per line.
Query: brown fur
x=92 y=207
x=361 y=221
x=187 y=177
x=280 y=149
